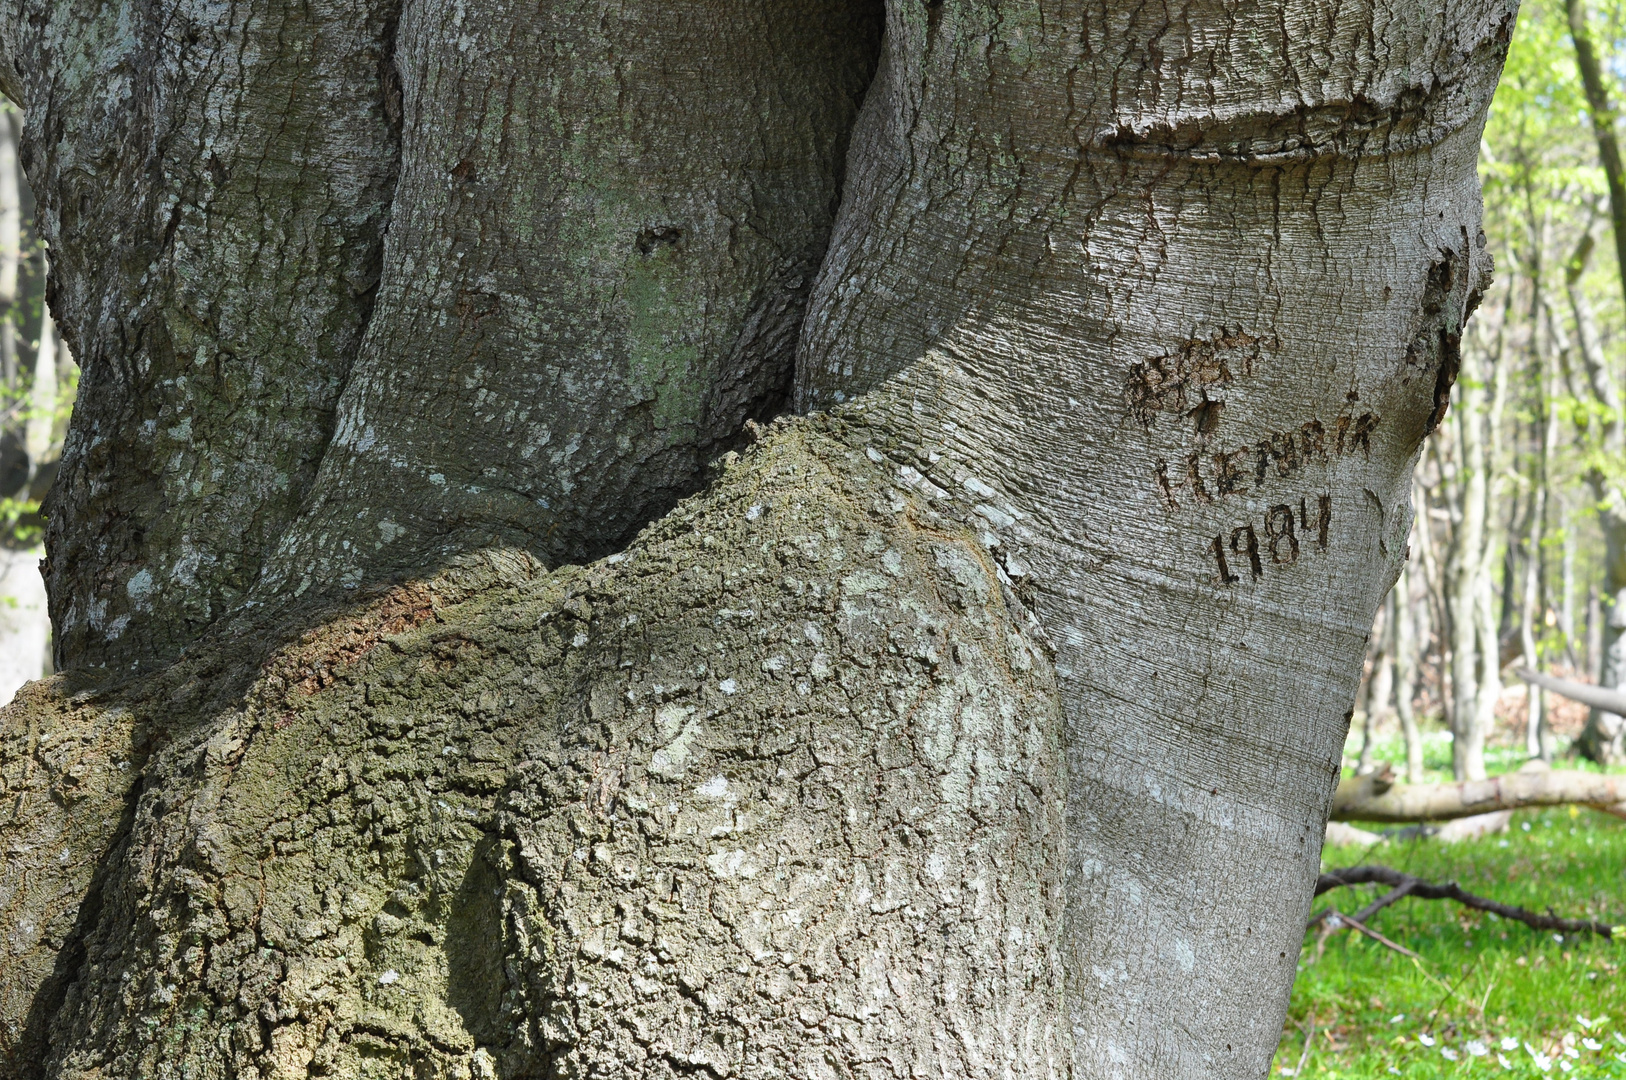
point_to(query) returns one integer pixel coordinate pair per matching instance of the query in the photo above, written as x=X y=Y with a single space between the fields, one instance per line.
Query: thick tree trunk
x=1110 y=304
x=214 y=183
x=986 y=726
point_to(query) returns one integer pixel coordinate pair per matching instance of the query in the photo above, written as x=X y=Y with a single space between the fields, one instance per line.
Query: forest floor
x=1483 y=997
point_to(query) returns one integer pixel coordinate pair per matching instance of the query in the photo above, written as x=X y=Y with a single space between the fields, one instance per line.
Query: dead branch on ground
x=1403 y=885
x=1376 y=797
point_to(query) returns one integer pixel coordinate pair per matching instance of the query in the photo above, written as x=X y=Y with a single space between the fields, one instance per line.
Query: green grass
x=1480 y=980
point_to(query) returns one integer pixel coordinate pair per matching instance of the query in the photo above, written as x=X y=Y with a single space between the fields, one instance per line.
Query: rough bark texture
x=1170 y=300
x=601 y=239
x=607 y=223
x=213 y=181
x=775 y=792
x=1135 y=322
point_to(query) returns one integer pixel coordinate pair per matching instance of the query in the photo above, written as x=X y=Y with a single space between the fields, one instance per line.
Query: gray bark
x=595 y=272
x=1114 y=300
x=986 y=726
x=214 y=181
x=775 y=792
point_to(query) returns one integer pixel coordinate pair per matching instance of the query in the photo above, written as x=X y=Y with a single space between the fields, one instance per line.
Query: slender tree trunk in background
x=24 y=627
x=1380 y=683
x=1602 y=111
x=985 y=724
x=1435 y=623
x=1542 y=723
x=1566 y=610
x=1466 y=567
x=1604 y=739
x=1535 y=701
x=1406 y=639
x=1532 y=601
x=37 y=430
x=1594 y=635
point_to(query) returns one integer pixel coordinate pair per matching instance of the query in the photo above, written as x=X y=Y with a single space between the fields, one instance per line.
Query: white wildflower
x=1476 y=1048
x=1510 y=1043
x=1592 y=1044
x=1501 y=1059
x=1448 y=1053
x=1426 y=1040
x=1397 y=1019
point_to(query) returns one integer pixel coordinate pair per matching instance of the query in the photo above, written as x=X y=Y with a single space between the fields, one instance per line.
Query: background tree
x=37 y=375
x=984 y=718
x=1517 y=532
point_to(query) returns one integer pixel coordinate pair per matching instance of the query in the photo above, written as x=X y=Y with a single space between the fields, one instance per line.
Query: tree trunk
x=1406 y=652
x=1604 y=739
x=1380 y=682
x=983 y=725
x=1466 y=569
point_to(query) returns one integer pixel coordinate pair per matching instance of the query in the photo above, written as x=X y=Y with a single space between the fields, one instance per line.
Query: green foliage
x=1480 y=980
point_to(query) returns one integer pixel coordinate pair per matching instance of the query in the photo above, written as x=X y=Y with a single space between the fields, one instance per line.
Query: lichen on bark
x=775 y=791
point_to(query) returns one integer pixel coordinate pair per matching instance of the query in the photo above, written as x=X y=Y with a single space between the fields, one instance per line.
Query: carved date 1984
x=1281 y=538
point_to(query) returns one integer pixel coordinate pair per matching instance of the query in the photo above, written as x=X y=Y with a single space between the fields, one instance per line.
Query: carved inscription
x=1178 y=381
x=1206 y=477
x=1284 y=535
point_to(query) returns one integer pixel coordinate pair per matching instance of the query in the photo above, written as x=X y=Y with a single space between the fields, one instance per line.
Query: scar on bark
x=1160 y=383
x=1440 y=336
x=650 y=240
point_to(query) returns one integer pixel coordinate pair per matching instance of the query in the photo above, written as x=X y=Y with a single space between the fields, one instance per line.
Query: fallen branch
x=1378 y=798
x=1598 y=697
x=1333 y=919
x=1406 y=885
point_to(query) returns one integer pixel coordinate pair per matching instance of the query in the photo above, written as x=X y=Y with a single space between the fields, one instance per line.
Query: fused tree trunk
x=982 y=723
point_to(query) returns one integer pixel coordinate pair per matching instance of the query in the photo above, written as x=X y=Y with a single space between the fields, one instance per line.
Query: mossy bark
x=986 y=724
x=774 y=792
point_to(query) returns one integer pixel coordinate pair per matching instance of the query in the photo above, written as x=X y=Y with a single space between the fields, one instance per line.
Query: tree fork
x=911 y=743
